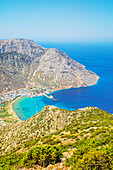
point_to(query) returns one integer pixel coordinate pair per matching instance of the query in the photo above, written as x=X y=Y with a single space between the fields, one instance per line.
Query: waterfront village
x=31 y=90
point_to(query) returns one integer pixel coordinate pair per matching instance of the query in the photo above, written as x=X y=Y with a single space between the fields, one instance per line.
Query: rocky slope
x=50 y=120
x=22 y=60
x=84 y=136
x=57 y=69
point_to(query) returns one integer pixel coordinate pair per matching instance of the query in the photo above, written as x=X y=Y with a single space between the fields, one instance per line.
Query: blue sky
x=57 y=20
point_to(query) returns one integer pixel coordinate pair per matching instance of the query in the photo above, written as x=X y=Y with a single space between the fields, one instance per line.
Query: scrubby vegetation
x=92 y=154
x=6 y=113
x=84 y=138
x=4 y=110
x=41 y=155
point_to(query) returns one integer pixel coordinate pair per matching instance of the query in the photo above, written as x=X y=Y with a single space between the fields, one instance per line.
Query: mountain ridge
x=84 y=137
x=31 y=62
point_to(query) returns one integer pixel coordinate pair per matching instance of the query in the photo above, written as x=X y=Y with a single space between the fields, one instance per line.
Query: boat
x=50 y=97
x=54 y=99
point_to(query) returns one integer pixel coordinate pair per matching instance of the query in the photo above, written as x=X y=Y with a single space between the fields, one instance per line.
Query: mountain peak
x=25 y=60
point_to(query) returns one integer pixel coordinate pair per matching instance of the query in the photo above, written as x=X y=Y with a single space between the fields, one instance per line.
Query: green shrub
x=41 y=155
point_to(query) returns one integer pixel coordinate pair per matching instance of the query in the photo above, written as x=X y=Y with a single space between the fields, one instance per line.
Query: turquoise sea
x=97 y=57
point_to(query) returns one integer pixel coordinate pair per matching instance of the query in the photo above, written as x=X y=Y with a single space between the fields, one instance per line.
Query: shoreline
x=73 y=87
x=41 y=94
x=52 y=91
x=11 y=107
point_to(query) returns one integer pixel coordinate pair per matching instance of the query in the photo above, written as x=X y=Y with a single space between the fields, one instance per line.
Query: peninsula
x=23 y=61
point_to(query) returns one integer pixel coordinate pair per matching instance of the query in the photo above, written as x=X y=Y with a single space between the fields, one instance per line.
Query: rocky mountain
x=22 y=61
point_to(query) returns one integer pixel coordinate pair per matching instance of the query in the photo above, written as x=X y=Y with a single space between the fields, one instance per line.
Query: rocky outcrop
x=22 y=60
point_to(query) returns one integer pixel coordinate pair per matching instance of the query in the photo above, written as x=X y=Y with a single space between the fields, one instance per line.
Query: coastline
x=41 y=94
x=12 y=110
x=54 y=90
x=73 y=87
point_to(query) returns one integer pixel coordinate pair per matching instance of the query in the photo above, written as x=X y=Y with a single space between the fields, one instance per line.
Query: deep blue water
x=97 y=57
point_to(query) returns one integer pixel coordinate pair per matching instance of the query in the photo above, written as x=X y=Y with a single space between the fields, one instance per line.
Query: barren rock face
x=60 y=69
x=22 y=46
x=22 y=60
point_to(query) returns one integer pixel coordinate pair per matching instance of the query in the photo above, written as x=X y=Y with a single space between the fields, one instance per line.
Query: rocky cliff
x=22 y=60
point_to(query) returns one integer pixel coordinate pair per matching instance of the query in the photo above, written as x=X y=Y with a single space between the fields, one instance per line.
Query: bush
x=41 y=155
x=98 y=159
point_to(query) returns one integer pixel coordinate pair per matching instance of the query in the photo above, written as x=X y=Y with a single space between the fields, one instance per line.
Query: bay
x=97 y=57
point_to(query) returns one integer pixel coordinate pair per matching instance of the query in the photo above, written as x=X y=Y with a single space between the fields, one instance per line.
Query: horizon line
x=61 y=40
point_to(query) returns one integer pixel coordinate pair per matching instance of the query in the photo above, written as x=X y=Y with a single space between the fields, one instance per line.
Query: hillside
x=16 y=57
x=23 y=61
x=79 y=138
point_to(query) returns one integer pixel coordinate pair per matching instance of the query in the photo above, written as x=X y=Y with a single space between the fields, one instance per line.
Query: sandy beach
x=11 y=110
